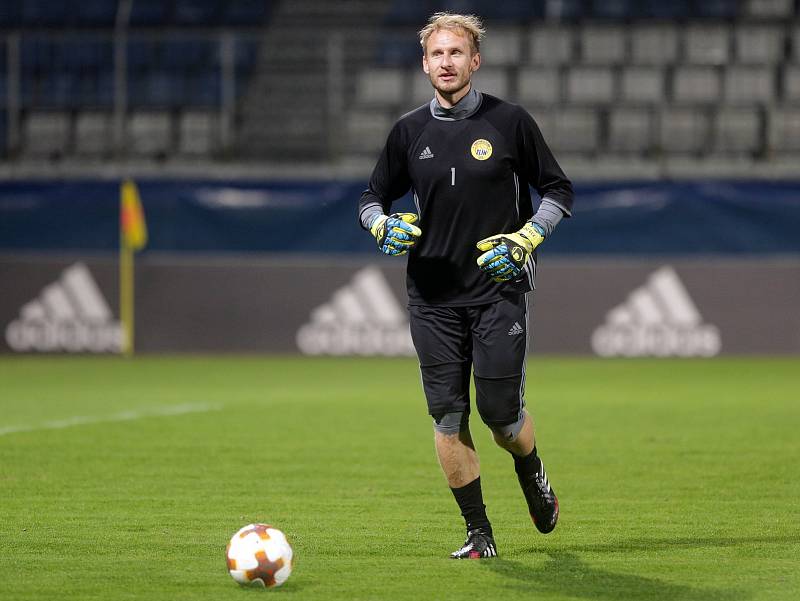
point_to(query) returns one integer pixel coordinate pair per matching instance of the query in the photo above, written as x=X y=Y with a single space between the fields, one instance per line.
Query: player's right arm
x=395 y=233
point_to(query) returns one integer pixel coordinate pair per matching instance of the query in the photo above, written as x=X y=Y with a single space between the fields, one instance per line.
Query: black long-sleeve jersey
x=470 y=180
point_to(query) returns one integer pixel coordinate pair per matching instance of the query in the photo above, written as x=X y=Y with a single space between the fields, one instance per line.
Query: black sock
x=528 y=465
x=470 y=501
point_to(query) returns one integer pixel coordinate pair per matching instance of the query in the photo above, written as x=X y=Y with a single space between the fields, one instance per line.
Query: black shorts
x=490 y=340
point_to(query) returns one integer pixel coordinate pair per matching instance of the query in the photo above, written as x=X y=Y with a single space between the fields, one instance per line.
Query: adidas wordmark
x=657 y=319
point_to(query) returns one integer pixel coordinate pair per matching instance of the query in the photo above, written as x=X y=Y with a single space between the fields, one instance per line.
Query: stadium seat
x=696 y=85
x=538 y=86
x=796 y=44
x=791 y=85
x=612 y=9
x=738 y=131
x=46 y=134
x=551 y=45
x=683 y=131
x=717 y=9
x=95 y=13
x=749 y=85
x=399 y=49
x=246 y=12
x=659 y=9
x=46 y=13
x=421 y=89
x=197 y=12
x=654 y=44
x=492 y=80
x=590 y=85
x=759 y=44
x=575 y=130
x=769 y=9
x=642 y=85
x=514 y=10
x=567 y=10
x=502 y=46
x=707 y=44
x=197 y=132
x=93 y=133
x=784 y=130
x=630 y=130
x=382 y=86
x=366 y=131
x=603 y=45
x=150 y=13
x=149 y=134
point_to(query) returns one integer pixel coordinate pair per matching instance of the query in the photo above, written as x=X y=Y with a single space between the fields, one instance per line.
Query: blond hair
x=470 y=24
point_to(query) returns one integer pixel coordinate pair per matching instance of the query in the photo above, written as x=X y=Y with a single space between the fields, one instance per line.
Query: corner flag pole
x=132 y=237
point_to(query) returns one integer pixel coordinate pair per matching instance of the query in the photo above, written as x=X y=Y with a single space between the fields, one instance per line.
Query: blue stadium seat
x=142 y=54
x=102 y=13
x=717 y=9
x=10 y=13
x=46 y=12
x=246 y=12
x=613 y=9
x=513 y=10
x=566 y=9
x=658 y=9
x=202 y=89
x=399 y=49
x=36 y=53
x=246 y=55
x=197 y=12
x=188 y=53
x=150 y=12
x=403 y=12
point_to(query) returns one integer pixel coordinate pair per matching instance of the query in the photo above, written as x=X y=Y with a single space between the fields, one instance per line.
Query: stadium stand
x=318 y=81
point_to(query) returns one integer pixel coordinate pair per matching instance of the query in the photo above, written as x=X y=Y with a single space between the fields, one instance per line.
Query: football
x=259 y=555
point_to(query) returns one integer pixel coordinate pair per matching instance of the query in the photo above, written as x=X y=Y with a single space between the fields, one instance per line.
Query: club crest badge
x=481 y=149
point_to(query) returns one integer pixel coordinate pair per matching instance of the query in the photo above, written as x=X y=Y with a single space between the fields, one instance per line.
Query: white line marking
x=124 y=416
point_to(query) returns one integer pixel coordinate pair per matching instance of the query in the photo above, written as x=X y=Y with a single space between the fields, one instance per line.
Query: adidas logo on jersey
x=658 y=319
x=362 y=317
x=68 y=315
x=426 y=154
x=516 y=329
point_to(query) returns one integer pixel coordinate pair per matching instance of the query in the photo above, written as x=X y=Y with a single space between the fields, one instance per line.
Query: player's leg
x=500 y=334
x=442 y=339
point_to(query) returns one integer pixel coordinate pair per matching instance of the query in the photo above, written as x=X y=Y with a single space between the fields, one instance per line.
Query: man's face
x=449 y=61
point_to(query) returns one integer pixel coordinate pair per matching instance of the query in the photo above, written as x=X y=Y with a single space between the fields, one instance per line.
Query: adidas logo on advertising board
x=362 y=318
x=69 y=315
x=658 y=319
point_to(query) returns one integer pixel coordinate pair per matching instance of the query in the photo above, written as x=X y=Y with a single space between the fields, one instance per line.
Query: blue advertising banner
x=615 y=219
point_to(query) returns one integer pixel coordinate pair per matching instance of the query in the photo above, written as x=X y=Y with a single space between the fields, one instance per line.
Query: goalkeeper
x=469 y=159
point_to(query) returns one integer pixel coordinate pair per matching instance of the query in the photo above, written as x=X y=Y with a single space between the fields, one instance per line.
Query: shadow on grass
x=662 y=544
x=565 y=574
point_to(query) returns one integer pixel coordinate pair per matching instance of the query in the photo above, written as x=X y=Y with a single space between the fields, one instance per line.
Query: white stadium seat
x=696 y=85
x=707 y=44
x=642 y=85
x=654 y=44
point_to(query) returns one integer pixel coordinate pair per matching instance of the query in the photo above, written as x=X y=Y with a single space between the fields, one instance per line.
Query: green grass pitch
x=678 y=480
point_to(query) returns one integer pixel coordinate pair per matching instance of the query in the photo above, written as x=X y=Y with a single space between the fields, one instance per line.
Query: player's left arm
x=505 y=255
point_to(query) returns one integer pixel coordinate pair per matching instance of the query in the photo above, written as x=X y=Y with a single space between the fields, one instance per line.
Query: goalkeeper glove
x=507 y=254
x=395 y=233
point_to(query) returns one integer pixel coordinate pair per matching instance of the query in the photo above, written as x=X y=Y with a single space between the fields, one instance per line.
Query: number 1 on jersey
x=452 y=176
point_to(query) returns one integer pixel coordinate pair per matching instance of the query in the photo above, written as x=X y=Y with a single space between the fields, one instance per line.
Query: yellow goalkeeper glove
x=395 y=233
x=507 y=254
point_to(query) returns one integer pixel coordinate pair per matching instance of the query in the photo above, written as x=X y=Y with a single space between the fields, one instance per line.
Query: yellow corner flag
x=132 y=237
x=133 y=229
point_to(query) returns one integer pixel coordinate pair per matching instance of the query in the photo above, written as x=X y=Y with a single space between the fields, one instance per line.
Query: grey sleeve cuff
x=368 y=213
x=548 y=216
